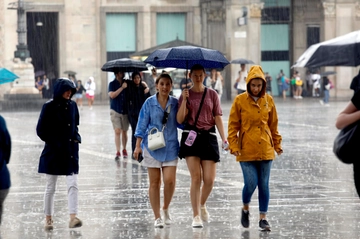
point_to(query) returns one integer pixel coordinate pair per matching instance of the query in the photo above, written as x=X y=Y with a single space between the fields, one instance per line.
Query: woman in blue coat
x=58 y=128
x=5 y=151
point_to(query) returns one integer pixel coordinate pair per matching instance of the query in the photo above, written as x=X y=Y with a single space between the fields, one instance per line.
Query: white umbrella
x=339 y=51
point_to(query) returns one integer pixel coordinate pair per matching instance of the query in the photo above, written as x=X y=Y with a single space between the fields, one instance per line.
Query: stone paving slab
x=312 y=193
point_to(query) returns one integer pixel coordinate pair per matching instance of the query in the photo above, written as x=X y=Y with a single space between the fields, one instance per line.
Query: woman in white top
x=216 y=82
x=90 y=91
x=241 y=80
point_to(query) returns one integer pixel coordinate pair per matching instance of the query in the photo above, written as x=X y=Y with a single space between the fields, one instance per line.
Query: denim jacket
x=151 y=115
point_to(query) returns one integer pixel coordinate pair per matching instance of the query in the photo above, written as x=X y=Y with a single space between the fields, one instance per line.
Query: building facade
x=82 y=35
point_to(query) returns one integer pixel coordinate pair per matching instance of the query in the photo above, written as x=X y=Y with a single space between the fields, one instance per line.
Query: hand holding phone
x=140 y=157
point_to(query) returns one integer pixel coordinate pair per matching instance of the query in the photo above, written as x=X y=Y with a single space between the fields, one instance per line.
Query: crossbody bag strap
x=201 y=103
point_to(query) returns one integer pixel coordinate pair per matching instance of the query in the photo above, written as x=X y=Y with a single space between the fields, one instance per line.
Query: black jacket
x=136 y=98
x=58 y=128
x=5 y=151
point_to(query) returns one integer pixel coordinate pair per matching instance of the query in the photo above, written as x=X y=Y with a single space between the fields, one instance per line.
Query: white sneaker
x=167 y=218
x=197 y=223
x=300 y=97
x=159 y=223
x=321 y=102
x=204 y=213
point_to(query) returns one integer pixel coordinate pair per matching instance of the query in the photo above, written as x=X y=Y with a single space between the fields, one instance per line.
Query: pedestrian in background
x=138 y=92
x=326 y=88
x=298 y=86
x=80 y=89
x=284 y=85
x=46 y=88
x=150 y=81
x=119 y=112
x=216 y=82
x=241 y=80
x=350 y=115
x=186 y=82
x=253 y=138
x=200 y=107
x=5 y=152
x=58 y=128
x=268 y=79
x=159 y=111
x=90 y=87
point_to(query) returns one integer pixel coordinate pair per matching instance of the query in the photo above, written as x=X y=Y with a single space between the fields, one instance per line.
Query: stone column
x=25 y=84
x=242 y=41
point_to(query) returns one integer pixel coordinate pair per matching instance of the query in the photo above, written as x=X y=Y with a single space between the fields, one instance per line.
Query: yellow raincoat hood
x=256 y=72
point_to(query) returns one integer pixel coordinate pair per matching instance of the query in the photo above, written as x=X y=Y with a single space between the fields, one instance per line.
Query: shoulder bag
x=347 y=142
x=155 y=137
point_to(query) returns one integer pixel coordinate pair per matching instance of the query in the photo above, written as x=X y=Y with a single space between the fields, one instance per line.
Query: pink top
x=210 y=108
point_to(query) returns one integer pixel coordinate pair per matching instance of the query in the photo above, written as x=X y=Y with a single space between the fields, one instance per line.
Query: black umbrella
x=339 y=51
x=39 y=73
x=242 y=61
x=70 y=73
x=328 y=73
x=124 y=65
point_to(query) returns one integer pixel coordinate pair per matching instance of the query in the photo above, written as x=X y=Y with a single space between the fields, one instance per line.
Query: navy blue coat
x=5 y=151
x=58 y=128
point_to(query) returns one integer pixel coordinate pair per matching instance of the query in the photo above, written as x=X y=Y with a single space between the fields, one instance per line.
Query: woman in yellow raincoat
x=253 y=138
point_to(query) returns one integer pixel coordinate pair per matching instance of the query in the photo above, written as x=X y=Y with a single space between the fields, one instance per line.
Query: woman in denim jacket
x=163 y=160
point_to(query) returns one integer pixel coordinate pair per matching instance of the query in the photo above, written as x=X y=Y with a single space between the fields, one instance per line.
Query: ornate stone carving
x=329 y=9
x=255 y=9
x=357 y=9
x=216 y=15
x=299 y=13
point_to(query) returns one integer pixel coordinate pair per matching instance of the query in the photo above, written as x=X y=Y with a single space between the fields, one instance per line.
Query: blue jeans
x=326 y=96
x=256 y=173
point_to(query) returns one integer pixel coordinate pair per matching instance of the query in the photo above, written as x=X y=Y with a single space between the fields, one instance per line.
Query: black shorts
x=205 y=146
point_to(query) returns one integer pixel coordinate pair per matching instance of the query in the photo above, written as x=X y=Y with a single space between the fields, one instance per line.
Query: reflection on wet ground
x=312 y=193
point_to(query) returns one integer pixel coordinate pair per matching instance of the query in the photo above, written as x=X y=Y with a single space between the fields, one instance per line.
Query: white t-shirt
x=242 y=83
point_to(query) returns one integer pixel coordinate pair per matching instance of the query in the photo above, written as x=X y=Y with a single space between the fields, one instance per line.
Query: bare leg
x=154 y=190
x=124 y=138
x=117 y=139
x=209 y=173
x=194 y=167
x=169 y=179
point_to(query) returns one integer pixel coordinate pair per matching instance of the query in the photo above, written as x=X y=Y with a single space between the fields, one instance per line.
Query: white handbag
x=156 y=140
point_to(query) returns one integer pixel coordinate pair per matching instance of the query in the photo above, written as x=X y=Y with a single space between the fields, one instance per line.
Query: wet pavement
x=312 y=193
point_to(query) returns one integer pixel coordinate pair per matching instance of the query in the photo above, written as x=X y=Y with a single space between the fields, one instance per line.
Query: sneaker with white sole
x=204 y=214
x=167 y=218
x=49 y=225
x=264 y=225
x=159 y=223
x=197 y=223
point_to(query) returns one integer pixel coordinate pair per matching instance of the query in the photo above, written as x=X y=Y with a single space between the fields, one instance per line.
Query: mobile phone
x=140 y=158
x=191 y=138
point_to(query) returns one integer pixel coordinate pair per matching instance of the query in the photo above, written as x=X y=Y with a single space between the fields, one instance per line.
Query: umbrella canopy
x=186 y=56
x=339 y=51
x=71 y=73
x=328 y=73
x=39 y=73
x=174 y=43
x=242 y=61
x=124 y=65
x=7 y=76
